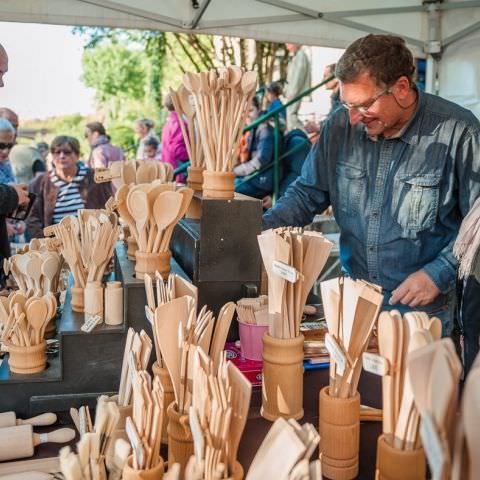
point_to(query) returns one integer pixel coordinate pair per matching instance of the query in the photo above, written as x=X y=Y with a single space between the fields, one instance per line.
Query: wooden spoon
x=165 y=211
x=37 y=316
x=137 y=202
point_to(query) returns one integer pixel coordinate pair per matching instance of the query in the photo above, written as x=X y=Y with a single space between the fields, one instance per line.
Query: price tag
x=91 y=323
x=149 y=314
x=287 y=272
x=336 y=353
x=433 y=446
x=375 y=364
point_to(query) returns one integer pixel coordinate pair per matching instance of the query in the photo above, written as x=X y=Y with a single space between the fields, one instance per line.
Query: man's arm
x=307 y=196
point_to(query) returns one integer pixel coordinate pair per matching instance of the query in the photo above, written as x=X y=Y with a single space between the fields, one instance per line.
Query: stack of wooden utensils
x=222 y=100
x=253 y=311
x=293 y=259
x=25 y=319
x=134 y=172
x=219 y=410
x=434 y=371
x=151 y=212
x=88 y=242
x=91 y=462
x=398 y=337
x=138 y=348
x=191 y=135
x=36 y=271
x=144 y=428
x=285 y=453
x=351 y=309
x=178 y=331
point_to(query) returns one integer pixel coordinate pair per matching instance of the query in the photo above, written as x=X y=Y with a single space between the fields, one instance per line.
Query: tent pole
x=433 y=46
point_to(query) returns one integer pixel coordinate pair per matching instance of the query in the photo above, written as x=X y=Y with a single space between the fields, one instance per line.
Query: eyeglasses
x=365 y=107
x=64 y=151
x=6 y=146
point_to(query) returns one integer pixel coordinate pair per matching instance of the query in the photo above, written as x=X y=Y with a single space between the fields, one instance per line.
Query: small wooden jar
x=282 y=382
x=219 y=185
x=395 y=464
x=339 y=435
x=180 y=440
x=168 y=395
x=77 y=299
x=114 y=303
x=93 y=299
x=151 y=263
x=132 y=247
x=27 y=360
x=155 y=473
x=195 y=178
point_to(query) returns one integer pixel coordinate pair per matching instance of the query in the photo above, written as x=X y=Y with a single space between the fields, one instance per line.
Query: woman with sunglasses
x=65 y=189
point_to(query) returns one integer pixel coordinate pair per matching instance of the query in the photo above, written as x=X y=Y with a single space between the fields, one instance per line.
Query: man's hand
x=267 y=202
x=22 y=193
x=417 y=289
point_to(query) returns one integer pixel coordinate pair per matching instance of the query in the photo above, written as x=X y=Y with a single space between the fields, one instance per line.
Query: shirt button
x=375 y=214
x=371 y=249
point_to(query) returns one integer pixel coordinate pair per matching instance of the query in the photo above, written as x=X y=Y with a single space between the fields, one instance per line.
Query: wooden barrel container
x=195 y=178
x=27 y=360
x=77 y=299
x=151 y=263
x=132 y=247
x=180 y=440
x=220 y=185
x=155 y=473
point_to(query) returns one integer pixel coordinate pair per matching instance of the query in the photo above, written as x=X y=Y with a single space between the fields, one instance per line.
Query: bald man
x=11 y=116
x=3 y=64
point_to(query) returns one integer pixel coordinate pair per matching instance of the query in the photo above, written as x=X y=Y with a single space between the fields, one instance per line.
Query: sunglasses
x=6 y=146
x=65 y=152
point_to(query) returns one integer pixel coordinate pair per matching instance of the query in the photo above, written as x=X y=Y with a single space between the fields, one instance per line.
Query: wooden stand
x=180 y=440
x=339 y=435
x=27 y=360
x=282 y=383
x=152 y=262
x=93 y=299
x=155 y=473
x=77 y=299
x=395 y=464
x=168 y=395
x=219 y=185
x=114 y=303
x=195 y=178
x=132 y=247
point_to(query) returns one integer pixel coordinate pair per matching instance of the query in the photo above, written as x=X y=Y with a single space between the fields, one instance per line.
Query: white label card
x=433 y=446
x=375 y=364
x=287 y=272
x=149 y=314
x=91 y=323
x=336 y=353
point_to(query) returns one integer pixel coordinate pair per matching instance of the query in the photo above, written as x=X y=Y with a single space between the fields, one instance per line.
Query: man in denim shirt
x=400 y=168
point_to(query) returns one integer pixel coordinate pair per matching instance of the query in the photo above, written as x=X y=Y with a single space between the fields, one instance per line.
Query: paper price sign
x=336 y=353
x=287 y=272
x=375 y=364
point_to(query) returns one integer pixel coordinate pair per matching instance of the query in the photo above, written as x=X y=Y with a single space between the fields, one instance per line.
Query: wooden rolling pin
x=28 y=476
x=20 y=441
x=9 y=419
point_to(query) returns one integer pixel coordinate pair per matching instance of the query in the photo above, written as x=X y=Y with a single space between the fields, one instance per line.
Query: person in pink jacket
x=174 y=150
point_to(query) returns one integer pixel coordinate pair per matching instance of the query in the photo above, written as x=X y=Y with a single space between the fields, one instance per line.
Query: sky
x=43 y=78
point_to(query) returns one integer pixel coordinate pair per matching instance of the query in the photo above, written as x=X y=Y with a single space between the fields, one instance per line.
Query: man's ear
x=402 y=87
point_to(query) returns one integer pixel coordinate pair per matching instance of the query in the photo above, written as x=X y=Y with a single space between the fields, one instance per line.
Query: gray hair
x=147 y=122
x=6 y=126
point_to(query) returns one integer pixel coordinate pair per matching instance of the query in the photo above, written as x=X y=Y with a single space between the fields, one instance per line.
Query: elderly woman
x=144 y=130
x=67 y=188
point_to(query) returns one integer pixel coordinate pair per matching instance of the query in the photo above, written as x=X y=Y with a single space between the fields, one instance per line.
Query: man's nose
x=355 y=116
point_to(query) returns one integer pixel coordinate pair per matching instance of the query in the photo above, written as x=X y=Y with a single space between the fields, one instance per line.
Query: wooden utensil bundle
x=285 y=452
x=138 y=348
x=177 y=333
x=36 y=271
x=82 y=420
x=88 y=242
x=351 y=309
x=434 y=371
x=25 y=319
x=191 y=136
x=398 y=337
x=136 y=172
x=174 y=286
x=144 y=428
x=253 y=311
x=151 y=212
x=220 y=403
x=293 y=259
x=222 y=101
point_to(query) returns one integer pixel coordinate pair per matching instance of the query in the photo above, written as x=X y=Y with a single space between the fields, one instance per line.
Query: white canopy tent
x=446 y=32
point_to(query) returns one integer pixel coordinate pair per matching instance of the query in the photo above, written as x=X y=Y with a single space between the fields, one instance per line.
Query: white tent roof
x=429 y=27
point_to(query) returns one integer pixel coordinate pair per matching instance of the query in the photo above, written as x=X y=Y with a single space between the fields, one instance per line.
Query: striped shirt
x=69 y=200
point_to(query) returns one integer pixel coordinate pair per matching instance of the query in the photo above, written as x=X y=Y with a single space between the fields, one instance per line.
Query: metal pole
x=276 y=164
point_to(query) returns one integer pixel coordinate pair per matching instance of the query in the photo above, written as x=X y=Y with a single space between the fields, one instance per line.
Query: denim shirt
x=399 y=202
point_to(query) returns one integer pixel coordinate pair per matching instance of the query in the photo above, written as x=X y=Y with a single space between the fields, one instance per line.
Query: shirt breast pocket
x=415 y=202
x=351 y=185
